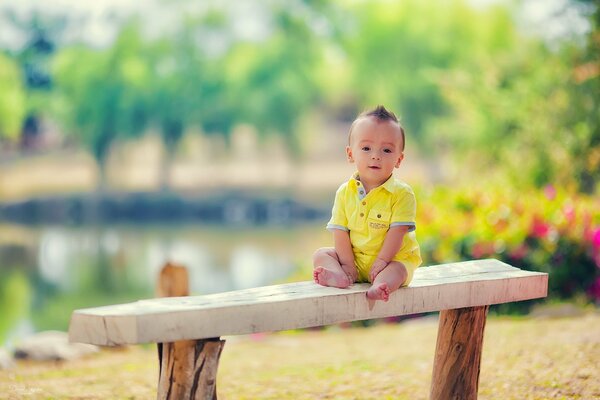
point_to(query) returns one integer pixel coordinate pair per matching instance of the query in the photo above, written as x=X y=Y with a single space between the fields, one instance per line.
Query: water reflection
x=47 y=272
x=251 y=267
x=53 y=257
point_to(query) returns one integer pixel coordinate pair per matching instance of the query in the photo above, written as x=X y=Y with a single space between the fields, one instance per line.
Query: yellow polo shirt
x=368 y=217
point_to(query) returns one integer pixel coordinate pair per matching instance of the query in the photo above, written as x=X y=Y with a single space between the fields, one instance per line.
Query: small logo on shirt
x=377 y=225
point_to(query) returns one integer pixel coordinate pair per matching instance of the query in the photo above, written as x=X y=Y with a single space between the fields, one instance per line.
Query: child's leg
x=328 y=270
x=387 y=281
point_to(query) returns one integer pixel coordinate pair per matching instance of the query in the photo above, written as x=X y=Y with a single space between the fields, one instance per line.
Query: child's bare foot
x=327 y=278
x=379 y=292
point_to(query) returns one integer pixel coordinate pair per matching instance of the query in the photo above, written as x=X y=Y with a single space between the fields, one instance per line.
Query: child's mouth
x=374 y=167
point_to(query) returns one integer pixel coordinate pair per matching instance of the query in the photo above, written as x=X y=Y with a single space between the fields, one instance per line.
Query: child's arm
x=391 y=246
x=343 y=248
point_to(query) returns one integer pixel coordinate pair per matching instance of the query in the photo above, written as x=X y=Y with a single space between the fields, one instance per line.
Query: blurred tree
x=584 y=115
x=397 y=52
x=42 y=33
x=214 y=109
x=458 y=75
x=102 y=94
x=188 y=85
x=12 y=99
x=170 y=88
x=274 y=82
x=523 y=112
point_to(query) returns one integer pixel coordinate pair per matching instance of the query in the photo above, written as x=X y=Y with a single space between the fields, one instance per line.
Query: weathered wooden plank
x=302 y=304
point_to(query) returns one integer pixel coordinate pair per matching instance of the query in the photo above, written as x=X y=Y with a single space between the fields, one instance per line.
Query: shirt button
x=364 y=203
x=362 y=214
x=378 y=215
x=357 y=183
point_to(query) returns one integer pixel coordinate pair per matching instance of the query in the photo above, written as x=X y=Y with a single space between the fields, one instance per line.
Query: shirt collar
x=387 y=185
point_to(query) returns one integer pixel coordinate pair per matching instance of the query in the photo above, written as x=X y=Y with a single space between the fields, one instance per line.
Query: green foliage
x=15 y=295
x=527 y=113
x=399 y=51
x=12 y=99
x=103 y=93
x=188 y=85
x=86 y=81
x=583 y=117
x=274 y=82
x=467 y=81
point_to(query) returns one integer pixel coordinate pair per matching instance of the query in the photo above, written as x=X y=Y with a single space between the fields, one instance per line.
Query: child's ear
x=349 y=154
x=400 y=158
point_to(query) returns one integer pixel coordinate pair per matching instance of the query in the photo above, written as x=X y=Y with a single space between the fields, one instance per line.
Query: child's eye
x=387 y=150
x=366 y=148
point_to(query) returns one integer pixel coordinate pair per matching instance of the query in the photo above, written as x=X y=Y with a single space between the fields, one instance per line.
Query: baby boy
x=373 y=216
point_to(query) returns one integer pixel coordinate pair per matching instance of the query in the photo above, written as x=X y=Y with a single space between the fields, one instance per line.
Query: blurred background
x=212 y=134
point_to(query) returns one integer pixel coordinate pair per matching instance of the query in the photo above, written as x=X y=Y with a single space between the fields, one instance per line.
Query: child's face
x=376 y=148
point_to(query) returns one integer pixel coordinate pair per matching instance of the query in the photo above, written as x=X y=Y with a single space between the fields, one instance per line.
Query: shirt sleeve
x=404 y=210
x=339 y=220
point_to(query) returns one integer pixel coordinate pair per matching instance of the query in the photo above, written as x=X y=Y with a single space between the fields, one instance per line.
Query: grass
x=525 y=358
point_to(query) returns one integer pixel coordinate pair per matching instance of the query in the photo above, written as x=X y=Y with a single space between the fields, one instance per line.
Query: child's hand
x=378 y=266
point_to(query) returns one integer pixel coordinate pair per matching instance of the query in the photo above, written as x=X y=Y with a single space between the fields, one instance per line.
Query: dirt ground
x=523 y=358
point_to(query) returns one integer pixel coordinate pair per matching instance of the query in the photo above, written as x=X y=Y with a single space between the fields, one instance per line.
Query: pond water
x=48 y=271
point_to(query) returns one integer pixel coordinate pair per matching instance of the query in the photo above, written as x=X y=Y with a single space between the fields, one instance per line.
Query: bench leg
x=458 y=353
x=188 y=369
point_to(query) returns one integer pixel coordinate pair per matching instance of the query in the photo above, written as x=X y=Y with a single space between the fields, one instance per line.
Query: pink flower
x=596 y=238
x=569 y=213
x=539 y=228
x=550 y=192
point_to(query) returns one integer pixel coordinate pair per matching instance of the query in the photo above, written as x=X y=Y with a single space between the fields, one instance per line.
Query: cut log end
x=173 y=281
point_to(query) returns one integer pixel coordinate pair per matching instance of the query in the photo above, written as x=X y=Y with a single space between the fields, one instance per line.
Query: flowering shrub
x=549 y=231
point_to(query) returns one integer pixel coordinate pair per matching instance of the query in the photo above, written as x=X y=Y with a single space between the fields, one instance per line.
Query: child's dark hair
x=382 y=114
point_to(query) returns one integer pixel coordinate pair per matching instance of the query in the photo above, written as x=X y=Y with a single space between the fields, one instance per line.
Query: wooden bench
x=188 y=329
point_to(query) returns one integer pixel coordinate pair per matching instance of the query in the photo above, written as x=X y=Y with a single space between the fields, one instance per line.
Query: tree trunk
x=458 y=354
x=165 y=169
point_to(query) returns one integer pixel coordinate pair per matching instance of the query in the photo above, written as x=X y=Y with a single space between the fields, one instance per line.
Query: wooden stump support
x=458 y=354
x=188 y=368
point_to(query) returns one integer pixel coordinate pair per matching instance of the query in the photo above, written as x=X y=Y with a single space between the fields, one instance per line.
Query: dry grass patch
x=522 y=359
